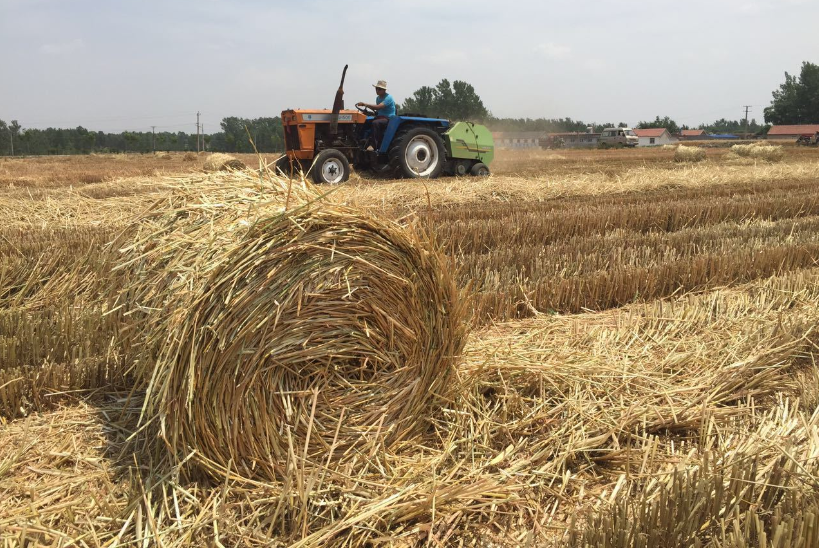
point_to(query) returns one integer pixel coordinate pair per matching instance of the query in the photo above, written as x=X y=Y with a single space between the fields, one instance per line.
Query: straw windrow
x=689 y=154
x=759 y=151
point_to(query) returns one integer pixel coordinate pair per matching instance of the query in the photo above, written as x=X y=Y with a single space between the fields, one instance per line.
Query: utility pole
x=12 y=141
x=197 y=131
x=153 y=138
x=746 y=107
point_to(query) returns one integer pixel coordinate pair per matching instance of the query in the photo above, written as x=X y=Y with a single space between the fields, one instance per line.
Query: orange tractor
x=326 y=142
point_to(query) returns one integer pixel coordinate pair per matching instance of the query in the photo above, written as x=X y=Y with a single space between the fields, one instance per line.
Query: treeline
x=267 y=134
x=723 y=126
x=557 y=125
x=718 y=127
x=459 y=101
x=547 y=125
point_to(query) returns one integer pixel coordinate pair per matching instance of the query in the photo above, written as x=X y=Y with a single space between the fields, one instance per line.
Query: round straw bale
x=222 y=162
x=267 y=334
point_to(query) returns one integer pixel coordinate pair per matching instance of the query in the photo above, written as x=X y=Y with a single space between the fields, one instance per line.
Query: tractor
x=326 y=143
x=808 y=140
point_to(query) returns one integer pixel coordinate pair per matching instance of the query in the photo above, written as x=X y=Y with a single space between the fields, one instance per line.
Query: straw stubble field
x=640 y=369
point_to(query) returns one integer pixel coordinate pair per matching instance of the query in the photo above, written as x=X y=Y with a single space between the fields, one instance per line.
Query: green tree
x=14 y=130
x=444 y=98
x=235 y=136
x=421 y=102
x=131 y=139
x=723 y=126
x=797 y=99
x=467 y=105
x=25 y=142
x=5 y=138
x=664 y=122
x=267 y=134
x=546 y=125
x=456 y=101
x=84 y=139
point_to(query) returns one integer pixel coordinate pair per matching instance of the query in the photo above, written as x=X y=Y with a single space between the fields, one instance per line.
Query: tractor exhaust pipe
x=338 y=104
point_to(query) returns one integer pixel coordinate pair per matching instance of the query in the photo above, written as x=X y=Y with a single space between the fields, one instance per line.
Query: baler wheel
x=480 y=170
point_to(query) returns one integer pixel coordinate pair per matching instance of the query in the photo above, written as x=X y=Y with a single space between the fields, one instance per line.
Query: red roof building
x=654 y=137
x=650 y=132
x=693 y=134
x=793 y=131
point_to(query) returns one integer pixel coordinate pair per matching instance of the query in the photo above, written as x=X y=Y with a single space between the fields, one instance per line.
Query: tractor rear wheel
x=330 y=167
x=419 y=152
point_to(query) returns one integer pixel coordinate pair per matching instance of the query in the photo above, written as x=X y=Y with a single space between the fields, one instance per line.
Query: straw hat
x=381 y=84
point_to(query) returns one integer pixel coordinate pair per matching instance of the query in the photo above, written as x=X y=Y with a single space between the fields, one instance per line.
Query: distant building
x=693 y=135
x=574 y=139
x=517 y=139
x=792 y=132
x=654 y=137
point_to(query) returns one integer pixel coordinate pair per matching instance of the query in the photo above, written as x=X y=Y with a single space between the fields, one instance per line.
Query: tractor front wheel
x=288 y=167
x=330 y=167
x=418 y=153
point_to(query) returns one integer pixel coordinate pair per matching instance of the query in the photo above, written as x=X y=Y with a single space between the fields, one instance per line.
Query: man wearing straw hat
x=384 y=108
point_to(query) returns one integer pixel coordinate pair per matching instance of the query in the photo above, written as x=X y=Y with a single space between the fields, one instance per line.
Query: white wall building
x=517 y=139
x=655 y=137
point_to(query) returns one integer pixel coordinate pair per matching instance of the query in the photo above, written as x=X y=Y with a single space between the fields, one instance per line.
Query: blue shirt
x=387 y=106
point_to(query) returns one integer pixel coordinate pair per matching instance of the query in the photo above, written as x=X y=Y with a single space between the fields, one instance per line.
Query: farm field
x=637 y=366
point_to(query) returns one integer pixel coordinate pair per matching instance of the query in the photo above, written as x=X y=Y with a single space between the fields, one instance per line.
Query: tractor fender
x=398 y=122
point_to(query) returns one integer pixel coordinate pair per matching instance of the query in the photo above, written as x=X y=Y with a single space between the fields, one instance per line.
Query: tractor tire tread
x=396 y=150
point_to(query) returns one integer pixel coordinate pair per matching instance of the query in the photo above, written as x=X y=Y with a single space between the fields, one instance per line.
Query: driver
x=384 y=108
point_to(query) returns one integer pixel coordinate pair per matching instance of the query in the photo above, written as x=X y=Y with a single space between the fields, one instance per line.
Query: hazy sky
x=127 y=65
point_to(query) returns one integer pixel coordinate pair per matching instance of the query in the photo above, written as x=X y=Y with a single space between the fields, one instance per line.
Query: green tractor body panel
x=468 y=141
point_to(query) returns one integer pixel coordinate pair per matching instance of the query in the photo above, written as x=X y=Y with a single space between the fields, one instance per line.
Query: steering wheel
x=365 y=111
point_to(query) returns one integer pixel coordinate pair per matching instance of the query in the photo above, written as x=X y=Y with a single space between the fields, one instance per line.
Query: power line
x=717 y=111
x=187 y=124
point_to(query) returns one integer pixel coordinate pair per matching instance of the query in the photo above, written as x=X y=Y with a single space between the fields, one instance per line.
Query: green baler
x=469 y=148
